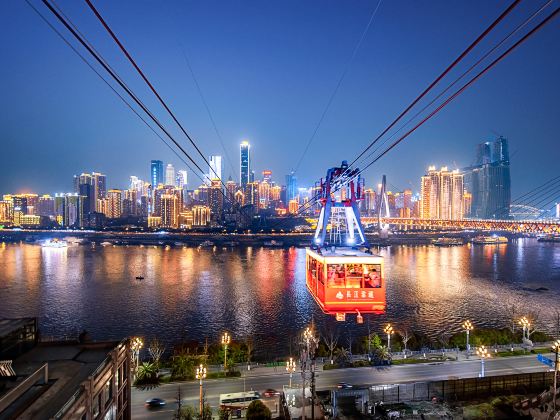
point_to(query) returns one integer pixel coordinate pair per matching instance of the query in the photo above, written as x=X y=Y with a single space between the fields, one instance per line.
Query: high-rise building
x=264 y=194
x=369 y=201
x=45 y=206
x=69 y=209
x=442 y=194
x=291 y=187
x=231 y=188
x=489 y=181
x=99 y=182
x=293 y=206
x=267 y=176
x=181 y=179
x=557 y=212
x=6 y=211
x=170 y=208
x=156 y=173
x=216 y=199
x=215 y=167
x=252 y=194
x=115 y=209
x=201 y=215
x=245 y=164
x=130 y=203
x=169 y=175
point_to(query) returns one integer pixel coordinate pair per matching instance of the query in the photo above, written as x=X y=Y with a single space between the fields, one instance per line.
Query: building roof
x=8 y=326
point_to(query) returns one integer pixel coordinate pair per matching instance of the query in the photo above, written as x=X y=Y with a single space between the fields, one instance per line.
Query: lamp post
x=389 y=330
x=482 y=352
x=555 y=349
x=526 y=324
x=291 y=368
x=468 y=327
x=136 y=343
x=310 y=342
x=226 y=339
x=200 y=375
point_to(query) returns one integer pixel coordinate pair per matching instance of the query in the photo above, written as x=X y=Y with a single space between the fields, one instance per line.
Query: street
x=327 y=380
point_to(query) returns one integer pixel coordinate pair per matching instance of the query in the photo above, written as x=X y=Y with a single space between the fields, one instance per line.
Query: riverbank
x=212 y=238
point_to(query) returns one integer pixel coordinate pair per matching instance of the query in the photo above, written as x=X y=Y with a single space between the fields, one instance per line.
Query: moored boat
x=490 y=240
x=54 y=243
x=448 y=242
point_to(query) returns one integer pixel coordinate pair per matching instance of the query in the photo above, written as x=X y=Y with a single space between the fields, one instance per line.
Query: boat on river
x=549 y=238
x=54 y=243
x=273 y=243
x=489 y=240
x=448 y=242
x=206 y=244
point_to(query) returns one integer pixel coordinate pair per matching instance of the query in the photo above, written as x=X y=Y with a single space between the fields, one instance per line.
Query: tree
x=250 y=345
x=343 y=356
x=258 y=411
x=156 y=350
x=146 y=373
x=383 y=354
x=512 y=310
x=223 y=414
x=331 y=340
x=533 y=318
x=443 y=339
x=183 y=366
x=405 y=336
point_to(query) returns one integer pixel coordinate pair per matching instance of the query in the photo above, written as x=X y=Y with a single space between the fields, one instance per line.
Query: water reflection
x=190 y=293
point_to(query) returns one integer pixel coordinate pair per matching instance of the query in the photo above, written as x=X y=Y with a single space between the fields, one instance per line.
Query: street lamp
x=136 y=343
x=389 y=330
x=555 y=349
x=482 y=352
x=291 y=368
x=200 y=375
x=525 y=323
x=468 y=327
x=226 y=339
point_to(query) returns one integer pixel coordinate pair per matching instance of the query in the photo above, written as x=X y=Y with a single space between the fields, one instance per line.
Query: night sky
x=267 y=70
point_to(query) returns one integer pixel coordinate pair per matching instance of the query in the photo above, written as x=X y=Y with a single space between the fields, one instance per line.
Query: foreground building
x=77 y=379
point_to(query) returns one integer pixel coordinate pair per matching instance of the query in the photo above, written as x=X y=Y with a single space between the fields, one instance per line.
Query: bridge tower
x=383 y=209
x=342 y=215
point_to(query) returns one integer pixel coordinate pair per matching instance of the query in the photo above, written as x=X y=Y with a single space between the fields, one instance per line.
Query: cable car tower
x=342 y=215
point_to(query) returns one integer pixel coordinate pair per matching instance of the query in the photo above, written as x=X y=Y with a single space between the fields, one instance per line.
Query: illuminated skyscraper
x=215 y=167
x=442 y=194
x=99 y=182
x=169 y=175
x=291 y=187
x=69 y=209
x=115 y=204
x=489 y=181
x=245 y=164
x=201 y=215
x=216 y=199
x=170 y=211
x=181 y=179
x=267 y=176
x=156 y=173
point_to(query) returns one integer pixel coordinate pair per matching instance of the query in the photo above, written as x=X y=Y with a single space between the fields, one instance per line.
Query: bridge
x=514 y=226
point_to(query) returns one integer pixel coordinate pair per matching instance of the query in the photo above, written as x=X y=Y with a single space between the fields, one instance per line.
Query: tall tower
x=170 y=175
x=244 y=163
x=215 y=164
x=156 y=174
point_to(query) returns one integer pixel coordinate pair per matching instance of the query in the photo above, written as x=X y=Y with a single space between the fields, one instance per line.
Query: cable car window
x=372 y=276
x=336 y=277
x=354 y=275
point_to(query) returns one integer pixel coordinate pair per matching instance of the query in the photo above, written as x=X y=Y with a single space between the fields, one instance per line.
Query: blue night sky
x=267 y=69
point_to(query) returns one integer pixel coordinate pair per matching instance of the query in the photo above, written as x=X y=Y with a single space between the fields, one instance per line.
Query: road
x=328 y=380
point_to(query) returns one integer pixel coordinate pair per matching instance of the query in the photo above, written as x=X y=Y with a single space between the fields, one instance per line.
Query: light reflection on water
x=191 y=293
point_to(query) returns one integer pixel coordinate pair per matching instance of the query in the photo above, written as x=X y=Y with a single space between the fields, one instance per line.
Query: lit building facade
x=156 y=173
x=245 y=163
x=215 y=167
x=170 y=175
x=170 y=209
x=201 y=215
x=442 y=194
x=114 y=204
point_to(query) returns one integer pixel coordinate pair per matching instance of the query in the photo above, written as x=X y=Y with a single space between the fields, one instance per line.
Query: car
x=155 y=402
x=343 y=385
x=271 y=393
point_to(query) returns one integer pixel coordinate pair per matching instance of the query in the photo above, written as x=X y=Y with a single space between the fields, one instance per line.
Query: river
x=190 y=293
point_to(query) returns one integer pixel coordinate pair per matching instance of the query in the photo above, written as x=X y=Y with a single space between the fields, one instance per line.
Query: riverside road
x=262 y=378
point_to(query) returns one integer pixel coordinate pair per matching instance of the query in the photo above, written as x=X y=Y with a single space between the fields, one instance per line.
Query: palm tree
x=383 y=354
x=146 y=371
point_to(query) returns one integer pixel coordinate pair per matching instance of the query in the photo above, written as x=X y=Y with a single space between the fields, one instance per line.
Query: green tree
x=187 y=413
x=223 y=414
x=258 y=411
x=183 y=366
x=146 y=373
x=206 y=413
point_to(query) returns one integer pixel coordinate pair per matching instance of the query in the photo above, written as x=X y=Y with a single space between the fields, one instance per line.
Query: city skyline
x=495 y=103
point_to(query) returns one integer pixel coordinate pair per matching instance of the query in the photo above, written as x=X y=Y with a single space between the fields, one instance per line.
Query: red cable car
x=341 y=274
x=346 y=281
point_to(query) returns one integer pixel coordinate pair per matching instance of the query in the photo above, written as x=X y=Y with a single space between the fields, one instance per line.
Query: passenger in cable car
x=373 y=279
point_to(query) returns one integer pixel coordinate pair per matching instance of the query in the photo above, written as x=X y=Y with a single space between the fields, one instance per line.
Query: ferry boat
x=206 y=244
x=273 y=243
x=341 y=274
x=549 y=238
x=106 y=243
x=490 y=240
x=54 y=243
x=448 y=242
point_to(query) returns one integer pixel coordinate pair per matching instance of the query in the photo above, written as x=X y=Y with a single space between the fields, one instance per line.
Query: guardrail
x=23 y=386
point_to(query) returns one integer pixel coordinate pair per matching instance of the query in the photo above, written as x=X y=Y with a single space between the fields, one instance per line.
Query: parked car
x=155 y=402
